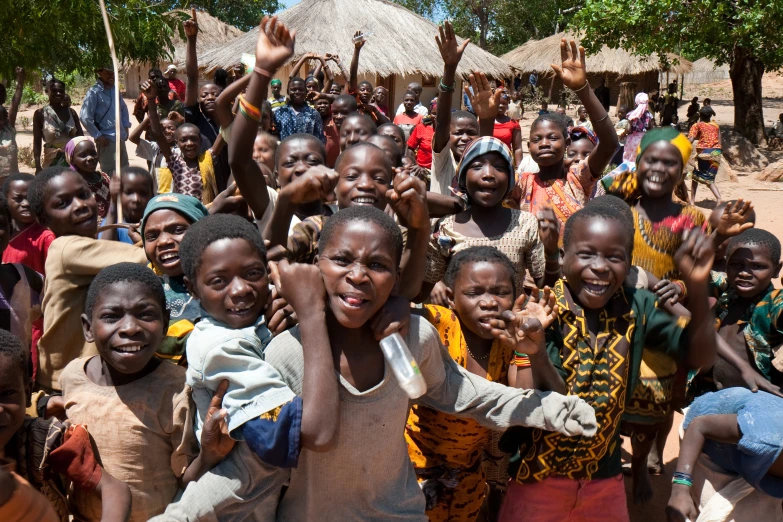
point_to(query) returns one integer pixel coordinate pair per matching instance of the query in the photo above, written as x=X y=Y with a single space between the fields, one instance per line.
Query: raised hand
x=275 y=44
x=735 y=218
x=149 y=90
x=359 y=40
x=694 y=258
x=524 y=326
x=484 y=101
x=317 y=184
x=548 y=229
x=280 y=316
x=299 y=284
x=191 y=26
x=572 y=71
x=393 y=317
x=216 y=442
x=450 y=50
x=668 y=290
x=19 y=74
x=408 y=198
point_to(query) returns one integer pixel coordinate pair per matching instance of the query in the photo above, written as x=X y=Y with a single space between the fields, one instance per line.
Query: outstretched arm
x=357 y=48
x=225 y=101
x=299 y=64
x=17 y=99
x=150 y=91
x=340 y=66
x=451 y=52
x=327 y=73
x=136 y=133
x=191 y=59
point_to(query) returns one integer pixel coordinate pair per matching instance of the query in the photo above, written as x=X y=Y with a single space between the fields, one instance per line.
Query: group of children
x=215 y=353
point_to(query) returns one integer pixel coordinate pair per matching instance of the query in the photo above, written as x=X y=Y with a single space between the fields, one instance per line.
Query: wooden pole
x=117 y=121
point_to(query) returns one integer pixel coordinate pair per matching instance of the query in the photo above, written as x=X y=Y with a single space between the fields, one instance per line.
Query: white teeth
x=240 y=309
x=170 y=255
x=128 y=349
x=597 y=282
x=364 y=201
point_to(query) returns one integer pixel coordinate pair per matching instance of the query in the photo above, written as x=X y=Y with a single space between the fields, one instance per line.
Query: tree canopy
x=243 y=14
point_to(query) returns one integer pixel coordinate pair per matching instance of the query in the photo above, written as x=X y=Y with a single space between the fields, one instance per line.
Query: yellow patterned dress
x=447 y=451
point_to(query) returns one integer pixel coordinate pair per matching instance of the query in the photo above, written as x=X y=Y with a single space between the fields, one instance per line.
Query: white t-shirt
x=444 y=168
x=419 y=108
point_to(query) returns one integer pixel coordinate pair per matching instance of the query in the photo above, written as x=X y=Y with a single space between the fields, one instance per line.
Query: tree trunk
x=746 y=72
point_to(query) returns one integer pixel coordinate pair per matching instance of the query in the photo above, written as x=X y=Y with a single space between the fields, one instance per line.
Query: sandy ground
x=764 y=195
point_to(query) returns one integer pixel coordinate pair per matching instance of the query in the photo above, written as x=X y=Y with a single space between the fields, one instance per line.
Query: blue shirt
x=307 y=121
x=97 y=113
x=122 y=234
x=760 y=419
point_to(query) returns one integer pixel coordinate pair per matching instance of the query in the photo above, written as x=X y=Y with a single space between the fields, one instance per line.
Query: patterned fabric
x=600 y=370
x=670 y=135
x=761 y=322
x=8 y=150
x=185 y=312
x=100 y=188
x=446 y=450
x=638 y=127
x=707 y=165
x=566 y=195
x=478 y=148
x=276 y=103
x=520 y=242
x=707 y=134
x=56 y=134
x=198 y=182
x=307 y=120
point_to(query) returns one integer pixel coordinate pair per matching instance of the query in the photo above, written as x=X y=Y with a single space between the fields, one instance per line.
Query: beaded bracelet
x=521 y=360
x=683 y=289
x=446 y=88
x=250 y=111
x=247 y=114
x=683 y=479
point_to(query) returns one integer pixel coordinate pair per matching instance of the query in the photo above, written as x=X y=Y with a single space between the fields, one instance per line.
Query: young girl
x=134 y=189
x=582 y=119
x=82 y=156
x=507 y=130
x=708 y=153
x=30 y=243
x=583 y=141
x=53 y=127
x=565 y=190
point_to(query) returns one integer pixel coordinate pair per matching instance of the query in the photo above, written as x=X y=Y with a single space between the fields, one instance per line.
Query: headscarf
x=479 y=147
x=191 y=208
x=641 y=106
x=275 y=82
x=669 y=134
x=71 y=146
x=578 y=132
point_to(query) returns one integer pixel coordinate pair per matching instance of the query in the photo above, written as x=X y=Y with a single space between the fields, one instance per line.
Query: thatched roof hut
x=615 y=66
x=705 y=71
x=212 y=33
x=400 y=47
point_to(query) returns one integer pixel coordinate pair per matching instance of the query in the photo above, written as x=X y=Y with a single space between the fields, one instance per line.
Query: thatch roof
x=538 y=55
x=705 y=65
x=402 y=42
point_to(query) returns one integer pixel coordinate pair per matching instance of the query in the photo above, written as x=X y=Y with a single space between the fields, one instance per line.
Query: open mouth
x=596 y=286
x=656 y=180
x=353 y=300
x=86 y=220
x=129 y=348
x=745 y=285
x=240 y=311
x=365 y=200
x=484 y=320
x=169 y=258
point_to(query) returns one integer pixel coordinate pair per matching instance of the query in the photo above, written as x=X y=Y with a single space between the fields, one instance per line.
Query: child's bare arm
x=191 y=59
x=451 y=52
x=408 y=199
x=346 y=74
x=13 y=110
x=357 y=48
x=38 y=123
x=519 y=377
x=302 y=286
x=574 y=76
x=299 y=64
x=441 y=206
x=225 y=101
x=115 y=498
x=150 y=91
x=318 y=66
x=327 y=73
x=135 y=134
x=753 y=380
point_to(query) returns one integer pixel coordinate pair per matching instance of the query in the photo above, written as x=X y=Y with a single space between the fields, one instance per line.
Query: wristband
x=247 y=115
x=583 y=87
x=683 y=479
x=521 y=360
x=599 y=121
x=446 y=88
x=262 y=72
x=683 y=289
x=250 y=111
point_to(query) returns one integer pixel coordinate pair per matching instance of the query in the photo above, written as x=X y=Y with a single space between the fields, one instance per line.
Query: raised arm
x=451 y=52
x=38 y=123
x=318 y=66
x=299 y=64
x=136 y=133
x=225 y=101
x=340 y=66
x=327 y=74
x=484 y=102
x=573 y=74
x=408 y=198
x=191 y=59
x=150 y=91
x=357 y=48
x=17 y=99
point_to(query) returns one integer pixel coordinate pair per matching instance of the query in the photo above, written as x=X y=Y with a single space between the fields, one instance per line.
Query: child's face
x=354 y=129
x=409 y=102
x=264 y=151
x=208 y=97
x=365 y=176
x=547 y=143
x=85 y=157
x=463 y=131
x=169 y=130
x=18 y=204
x=14 y=391
x=582 y=113
x=360 y=271
x=189 y=141
x=336 y=88
x=596 y=261
x=266 y=119
x=295 y=157
x=70 y=208
x=340 y=110
x=163 y=232
x=136 y=193
x=397 y=137
x=232 y=282
x=482 y=291
x=659 y=170
x=127 y=326
x=621 y=113
x=578 y=151
x=750 y=270
x=487 y=179
x=503 y=106
x=323 y=107
x=312 y=86
x=297 y=92
x=56 y=94
x=380 y=95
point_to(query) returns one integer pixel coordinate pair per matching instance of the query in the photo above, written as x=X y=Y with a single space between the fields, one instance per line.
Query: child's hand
x=668 y=290
x=694 y=259
x=754 y=381
x=394 y=317
x=149 y=90
x=19 y=74
x=228 y=201
x=681 y=506
x=408 y=198
x=280 y=316
x=549 y=230
x=572 y=71
x=275 y=44
x=317 y=184
x=525 y=325
x=191 y=26
x=115 y=187
x=301 y=285
x=359 y=40
x=735 y=218
x=441 y=295
x=484 y=101
x=450 y=50
x=216 y=443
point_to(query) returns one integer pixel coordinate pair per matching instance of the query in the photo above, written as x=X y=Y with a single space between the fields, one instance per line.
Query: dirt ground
x=764 y=195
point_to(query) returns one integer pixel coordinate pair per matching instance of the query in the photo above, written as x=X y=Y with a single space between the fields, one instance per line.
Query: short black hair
x=138 y=171
x=11 y=347
x=478 y=254
x=349 y=99
x=363 y=214
x=464 y=115
x=120 y=273
x=362 y=117
x=397 y=130
x=396 y=160
x=301 y=136
x=294 y=80
x=5 y=210
x=705 y=113
x=36 y=191
x=363 y=144
x=13 y=178
x=364 y=82
x=409 y=92
x=213 y=228
x=552 y=117
x=605 y=207
x=756 y=236
x=184 y=127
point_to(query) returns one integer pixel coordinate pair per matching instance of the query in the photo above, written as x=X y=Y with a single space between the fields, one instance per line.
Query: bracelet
x=521 y=360
x=583 y=87
x=446 y=88
x=262 y=72
x=599 y=121
x=247 y=114
x=249 y=110
x=683 y=289
x=683 y=479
